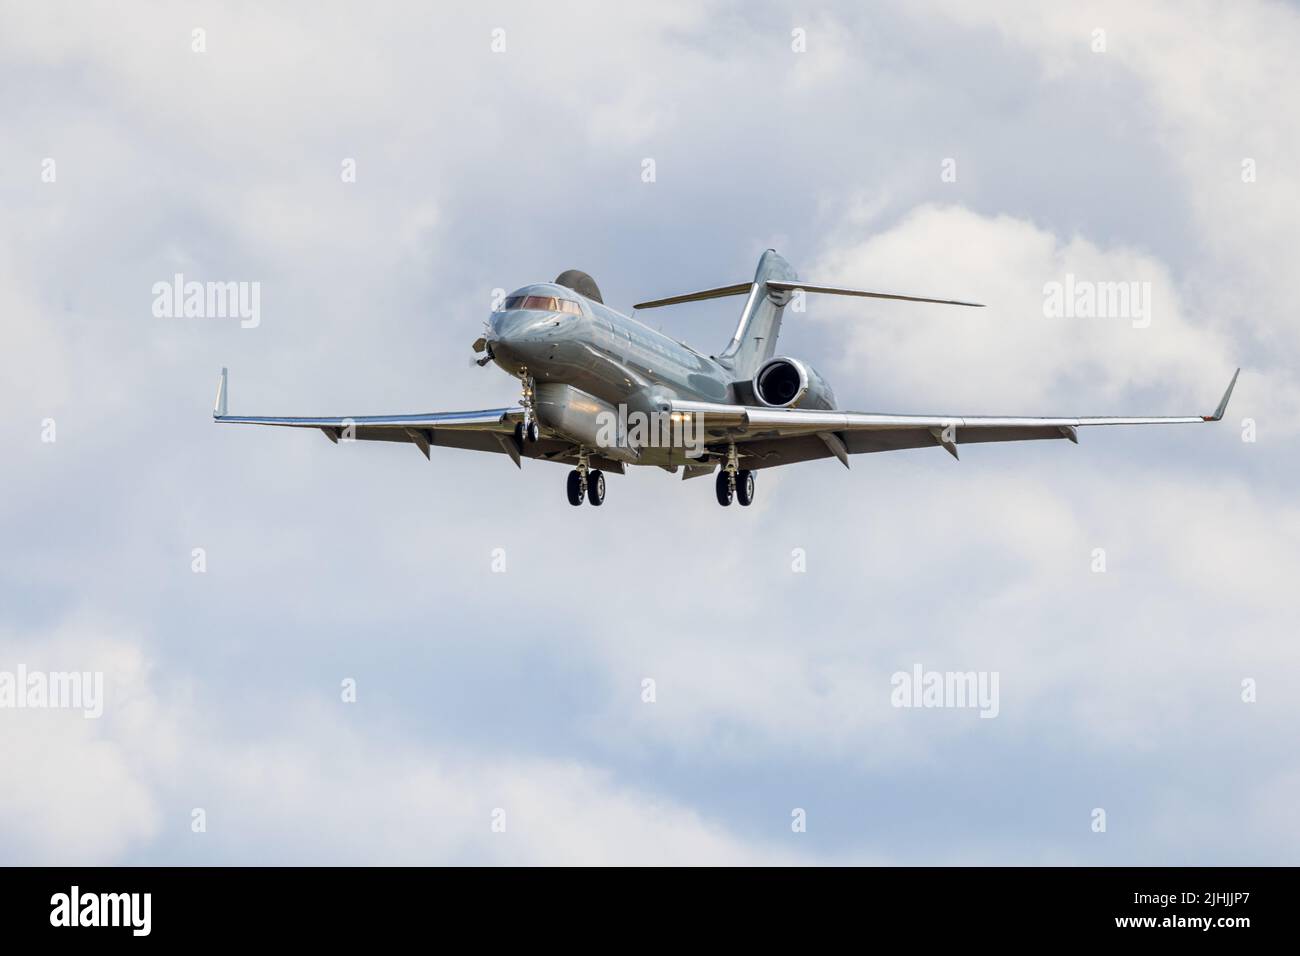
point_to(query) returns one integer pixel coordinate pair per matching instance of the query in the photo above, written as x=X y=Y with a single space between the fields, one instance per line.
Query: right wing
x=780 y=436
x=489 y=429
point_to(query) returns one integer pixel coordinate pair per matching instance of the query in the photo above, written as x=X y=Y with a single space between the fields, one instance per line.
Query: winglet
x=219 y=408
x=1223 y=403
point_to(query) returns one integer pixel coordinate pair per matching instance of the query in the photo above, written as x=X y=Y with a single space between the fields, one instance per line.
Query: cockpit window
x=545 y=303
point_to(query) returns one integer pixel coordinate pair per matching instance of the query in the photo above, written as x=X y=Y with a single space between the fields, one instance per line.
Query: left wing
x=779 y=436
x=489 y=429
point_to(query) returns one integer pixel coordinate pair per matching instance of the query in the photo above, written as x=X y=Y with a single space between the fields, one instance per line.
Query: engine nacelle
x=789 y=383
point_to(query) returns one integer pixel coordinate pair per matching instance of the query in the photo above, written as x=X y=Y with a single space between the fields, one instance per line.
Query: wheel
x=745 y=487
x=531 y=432
x=519 y=433
x=574 y=488
x=726 y=488
x=596 y=487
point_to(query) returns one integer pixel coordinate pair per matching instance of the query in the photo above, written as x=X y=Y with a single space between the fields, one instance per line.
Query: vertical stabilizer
x=760 y=321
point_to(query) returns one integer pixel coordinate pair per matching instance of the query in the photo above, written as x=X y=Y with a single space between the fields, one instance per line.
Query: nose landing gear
x=527 y=430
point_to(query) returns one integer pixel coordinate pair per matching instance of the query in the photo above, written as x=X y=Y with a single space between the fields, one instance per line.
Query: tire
x=745 y=487
x=532 y=433
x=574 y=488
x=724 y=489
x=596 y=487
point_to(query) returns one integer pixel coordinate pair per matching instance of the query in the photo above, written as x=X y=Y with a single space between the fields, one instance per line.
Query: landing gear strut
x=734 y=481
x=586 y=482
x=527 y=430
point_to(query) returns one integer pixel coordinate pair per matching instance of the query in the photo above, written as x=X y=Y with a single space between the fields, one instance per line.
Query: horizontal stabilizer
x=740 y=288
x=784 y=286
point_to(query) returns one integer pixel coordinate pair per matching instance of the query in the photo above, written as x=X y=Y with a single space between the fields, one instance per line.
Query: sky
x=345 y=654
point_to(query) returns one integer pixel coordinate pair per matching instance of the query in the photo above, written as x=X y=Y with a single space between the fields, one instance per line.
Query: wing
x=489 y=429
x=767 y=437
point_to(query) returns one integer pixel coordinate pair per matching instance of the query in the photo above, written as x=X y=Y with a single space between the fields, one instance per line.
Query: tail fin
x=760 y=322
x=774 y=285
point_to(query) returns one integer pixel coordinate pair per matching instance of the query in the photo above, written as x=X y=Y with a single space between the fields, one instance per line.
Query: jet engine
x=789 y=383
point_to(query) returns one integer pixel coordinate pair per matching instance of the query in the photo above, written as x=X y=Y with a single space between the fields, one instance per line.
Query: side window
x=568 y=305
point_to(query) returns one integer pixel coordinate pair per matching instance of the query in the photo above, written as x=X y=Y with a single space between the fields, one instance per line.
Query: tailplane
x=760 y=321
x=775 y=283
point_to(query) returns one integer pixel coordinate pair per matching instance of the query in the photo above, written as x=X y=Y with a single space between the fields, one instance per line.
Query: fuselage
x=554 y=334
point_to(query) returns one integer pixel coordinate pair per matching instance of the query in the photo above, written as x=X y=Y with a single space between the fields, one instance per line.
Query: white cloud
x=278 y=798
x=1221 y=84
x=1011 y=352
x=95 y=791
x=78 y=790
x=475 y=173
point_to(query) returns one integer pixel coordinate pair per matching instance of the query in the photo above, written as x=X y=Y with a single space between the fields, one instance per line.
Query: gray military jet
x=601 y=391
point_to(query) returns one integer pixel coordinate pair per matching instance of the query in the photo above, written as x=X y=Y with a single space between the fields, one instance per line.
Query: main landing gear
x=586 y=482
x=739 y=486
x=735 y=482
x=527 y=430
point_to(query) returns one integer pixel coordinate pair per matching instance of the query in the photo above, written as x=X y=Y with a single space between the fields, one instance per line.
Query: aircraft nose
x=521 y=331
x=523 y=337
x=506 y=327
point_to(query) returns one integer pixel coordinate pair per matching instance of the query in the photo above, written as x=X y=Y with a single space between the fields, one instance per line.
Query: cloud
x=96 y=791
x=1219 y=83
x=522 y=690
x=1040 y=359
x=78 y=790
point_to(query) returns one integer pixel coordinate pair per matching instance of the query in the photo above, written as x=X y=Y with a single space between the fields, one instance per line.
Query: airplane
x=600 y=391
